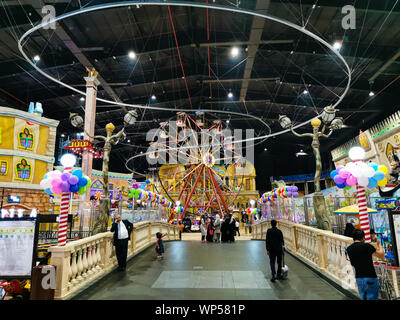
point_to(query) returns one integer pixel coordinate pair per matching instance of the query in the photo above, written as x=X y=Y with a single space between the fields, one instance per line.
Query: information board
x=17 y=242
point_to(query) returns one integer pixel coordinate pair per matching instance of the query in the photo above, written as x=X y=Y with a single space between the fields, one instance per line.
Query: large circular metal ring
x=184 y=4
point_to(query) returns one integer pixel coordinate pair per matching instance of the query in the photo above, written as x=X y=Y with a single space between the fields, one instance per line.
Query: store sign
x=14 y=199
x=80 y=146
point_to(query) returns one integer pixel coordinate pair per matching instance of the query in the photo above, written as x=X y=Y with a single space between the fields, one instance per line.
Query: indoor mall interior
x=199 y=150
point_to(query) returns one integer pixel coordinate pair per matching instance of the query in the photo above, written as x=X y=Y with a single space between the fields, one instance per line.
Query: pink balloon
x=57 y=190
x=339 y=168
x=351 y=181
x=344 y=174
x=56 y=182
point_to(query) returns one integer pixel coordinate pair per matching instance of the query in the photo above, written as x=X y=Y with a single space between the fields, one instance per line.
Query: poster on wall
x=17 y=243
x=396 y=235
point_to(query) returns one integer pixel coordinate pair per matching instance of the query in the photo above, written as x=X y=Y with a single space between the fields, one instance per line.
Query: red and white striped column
x=64 y=210
x=363 y=212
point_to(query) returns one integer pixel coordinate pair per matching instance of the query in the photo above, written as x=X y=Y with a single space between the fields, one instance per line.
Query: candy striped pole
x=363 y=212
x=64 y=209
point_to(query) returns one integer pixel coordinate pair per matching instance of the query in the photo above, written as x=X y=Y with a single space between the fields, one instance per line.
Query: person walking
x=203 y=228
x=348 y=231
x=360 y=255
x=274 y=245
x=217 y=227
x=237 y=225
x=122 y=234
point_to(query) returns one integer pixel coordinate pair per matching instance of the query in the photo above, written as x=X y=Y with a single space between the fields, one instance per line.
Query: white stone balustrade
x=320 y=249
x=83 y=261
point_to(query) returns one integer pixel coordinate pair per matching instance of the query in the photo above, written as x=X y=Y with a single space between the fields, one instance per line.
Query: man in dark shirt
x=360 y=254
x=274 y=244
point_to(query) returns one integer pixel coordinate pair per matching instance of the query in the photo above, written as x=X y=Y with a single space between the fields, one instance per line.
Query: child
x=160 y=245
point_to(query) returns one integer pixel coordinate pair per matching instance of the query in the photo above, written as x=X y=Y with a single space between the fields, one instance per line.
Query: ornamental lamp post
x=330 y=121
x=104 y=207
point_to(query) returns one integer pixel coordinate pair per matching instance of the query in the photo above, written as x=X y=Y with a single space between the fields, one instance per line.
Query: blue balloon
x=372 y=183
x=74 y=188
x=334 y=173
x=82 y=182
x=78 y=173
x=373 y=165
x=341 y=186
x=379 y=175
x=142 y=186
x=147 y=181
x=45 y=176
x=48 y=191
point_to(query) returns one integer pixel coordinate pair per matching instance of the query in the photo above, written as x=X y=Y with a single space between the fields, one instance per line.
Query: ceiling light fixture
x=153 y=97
x=36 y=58
x=230 y=95
x=234 y=52
x=82 y=99
x=371 y=93
x=132 y=55
x=337 y=45
x=305 y=92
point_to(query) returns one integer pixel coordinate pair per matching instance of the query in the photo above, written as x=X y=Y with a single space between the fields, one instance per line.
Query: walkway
x=194 y=270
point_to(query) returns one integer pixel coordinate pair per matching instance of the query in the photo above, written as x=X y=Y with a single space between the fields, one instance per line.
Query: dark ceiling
x=275 y=65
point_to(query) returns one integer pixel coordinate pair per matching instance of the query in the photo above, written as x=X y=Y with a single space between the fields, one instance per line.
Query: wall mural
x=23 y=170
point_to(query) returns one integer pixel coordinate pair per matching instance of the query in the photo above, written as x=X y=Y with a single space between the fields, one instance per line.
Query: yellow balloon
x=382 y=182
x=383 y=169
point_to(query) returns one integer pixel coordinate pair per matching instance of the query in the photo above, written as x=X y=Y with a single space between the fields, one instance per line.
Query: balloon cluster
x=252 y=211
x=141 y=194
x=366 y=175
x=177 y=209
x=56 y=182
x=281 y=193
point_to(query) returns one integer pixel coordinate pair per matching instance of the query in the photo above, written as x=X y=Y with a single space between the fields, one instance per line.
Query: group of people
x=219 y=229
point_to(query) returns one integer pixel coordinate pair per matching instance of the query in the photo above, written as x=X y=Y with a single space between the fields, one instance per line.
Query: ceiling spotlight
x=62 y=135
x=129 y=140
x=114 y=57
x=227 y=121
x=230 y=95
x=291 y=52
x=132 y=55
x=305 y=92
x=153 y=97
x=36 y=58
x=337 y=45
x=141 y=151
x=301 y=153
x=265 y=149
x=234 y=51
x=82 y=99
x=371 y=93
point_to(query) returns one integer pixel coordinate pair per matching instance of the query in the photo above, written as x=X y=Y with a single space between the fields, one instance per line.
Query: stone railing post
x=294 y=237
x=133 y=240
x=322 y=252
x=60 y=258
x=149 y=226
x=105 y=251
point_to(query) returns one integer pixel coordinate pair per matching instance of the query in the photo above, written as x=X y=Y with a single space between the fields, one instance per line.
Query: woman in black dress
x=210 y=230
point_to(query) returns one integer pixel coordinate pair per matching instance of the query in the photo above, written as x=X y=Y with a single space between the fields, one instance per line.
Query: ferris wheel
x=207 y=181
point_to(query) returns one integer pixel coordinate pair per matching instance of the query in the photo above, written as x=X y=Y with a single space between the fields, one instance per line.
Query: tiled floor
x=194 y=270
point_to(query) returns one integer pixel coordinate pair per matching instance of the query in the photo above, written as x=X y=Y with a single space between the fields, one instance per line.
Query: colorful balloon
x=78 y=173
x=82 y=182
x=383 y=169
x=73 y=179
